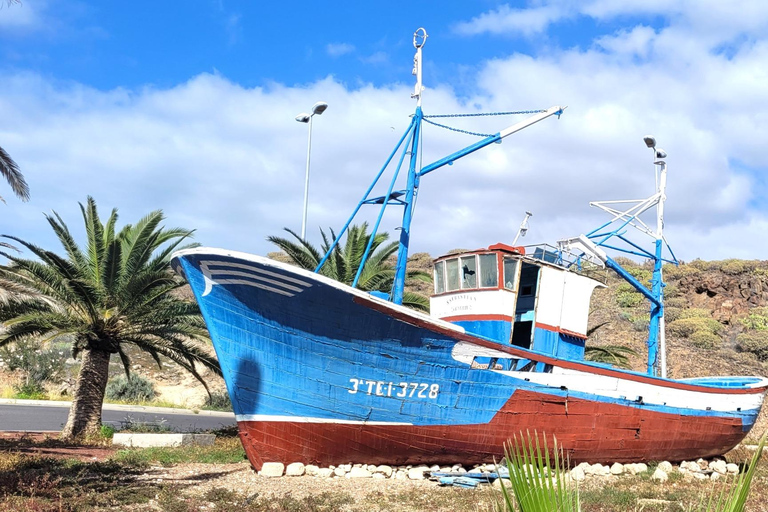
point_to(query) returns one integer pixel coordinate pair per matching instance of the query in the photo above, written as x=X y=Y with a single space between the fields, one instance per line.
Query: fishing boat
x=323 y=373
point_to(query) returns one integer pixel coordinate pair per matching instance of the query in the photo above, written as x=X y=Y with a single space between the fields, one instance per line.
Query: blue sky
x=190 y=106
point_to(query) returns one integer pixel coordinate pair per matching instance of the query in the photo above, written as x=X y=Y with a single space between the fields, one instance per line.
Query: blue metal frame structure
x=406 y=198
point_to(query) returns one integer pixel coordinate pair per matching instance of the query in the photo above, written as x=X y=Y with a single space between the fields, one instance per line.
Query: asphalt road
x=38 y=416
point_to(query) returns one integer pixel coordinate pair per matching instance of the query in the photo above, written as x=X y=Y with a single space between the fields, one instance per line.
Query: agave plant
x=538 y=483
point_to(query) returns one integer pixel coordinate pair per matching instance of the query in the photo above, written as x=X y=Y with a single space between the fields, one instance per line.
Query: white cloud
x=339 y=49
x=513 y=22
x=229 y=160
x=21 y=16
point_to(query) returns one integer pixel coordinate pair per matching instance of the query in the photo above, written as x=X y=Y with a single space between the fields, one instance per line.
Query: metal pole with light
x=657 y=323
x=523 y=229
x=318 y=108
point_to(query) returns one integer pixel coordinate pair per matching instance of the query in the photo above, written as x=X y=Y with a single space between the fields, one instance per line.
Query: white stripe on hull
x=307 y=419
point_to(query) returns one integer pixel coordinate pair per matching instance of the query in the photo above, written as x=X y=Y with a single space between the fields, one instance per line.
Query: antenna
x=523 y=229
x=419 y=40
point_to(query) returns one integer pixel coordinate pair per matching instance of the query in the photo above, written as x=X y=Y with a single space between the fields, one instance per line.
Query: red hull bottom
x=588 y=432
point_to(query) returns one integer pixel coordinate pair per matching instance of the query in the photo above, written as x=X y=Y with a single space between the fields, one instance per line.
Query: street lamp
x=657 y=283
x=318 y=108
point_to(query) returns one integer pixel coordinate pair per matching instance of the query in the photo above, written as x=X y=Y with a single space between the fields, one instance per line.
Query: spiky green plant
x=378 y=273
x=734 y=498
x=538 y=483
x=115 y=292
x=617 y=355
x=10 y=171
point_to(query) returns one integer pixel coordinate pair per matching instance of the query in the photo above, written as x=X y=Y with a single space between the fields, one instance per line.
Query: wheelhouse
x=534 y=301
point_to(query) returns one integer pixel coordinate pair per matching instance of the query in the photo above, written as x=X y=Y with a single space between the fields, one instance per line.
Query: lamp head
x=303 y=118
x=660 y=153
x=650 y=141
x=319 y=107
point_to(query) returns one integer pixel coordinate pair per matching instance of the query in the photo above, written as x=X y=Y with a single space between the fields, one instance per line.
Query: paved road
x=37 y=415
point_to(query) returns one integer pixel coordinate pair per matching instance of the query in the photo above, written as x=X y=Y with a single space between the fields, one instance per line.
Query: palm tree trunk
x=85 y=412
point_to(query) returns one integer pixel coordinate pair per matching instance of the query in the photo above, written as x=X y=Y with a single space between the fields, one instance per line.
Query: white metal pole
x=660 y=237
x=306 y=181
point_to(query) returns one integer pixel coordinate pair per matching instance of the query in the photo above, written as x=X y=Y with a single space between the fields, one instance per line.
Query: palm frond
x=10 y=171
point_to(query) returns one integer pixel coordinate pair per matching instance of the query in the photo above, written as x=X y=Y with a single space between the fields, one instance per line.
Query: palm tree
x=11 y=173
x=112 y=294
x=378 y=272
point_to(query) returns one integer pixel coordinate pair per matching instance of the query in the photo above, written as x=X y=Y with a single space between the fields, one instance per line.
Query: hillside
x=717 y=319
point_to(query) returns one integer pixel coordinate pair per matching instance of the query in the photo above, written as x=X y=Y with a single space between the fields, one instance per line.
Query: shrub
x=755 y=342
x=695 y=313
x=671 y=271
x=705 y=339
x=671 y=291
x=134 y=388
x=36 y=364
x=672 y=314
x=733 y=267
x=218 y=401
x=641 y=274
x=627 y=297
x=685 y=327
x=676 y=302
x=757 y=319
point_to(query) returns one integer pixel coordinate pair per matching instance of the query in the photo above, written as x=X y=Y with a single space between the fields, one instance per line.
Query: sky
x=190 y=107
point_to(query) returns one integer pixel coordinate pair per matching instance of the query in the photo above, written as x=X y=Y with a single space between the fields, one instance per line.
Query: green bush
x=695 y=313
x=733 y=267
x=672 y=314
x=757 y=319
x=705 y=339
x=671 y=271
x=134 y=388
x=755 y=342
x=641 y=274
x=36 y=364
x=671 y=291
x=627 y=296
x=676 y=302
x=218 y=401
x=685 y=327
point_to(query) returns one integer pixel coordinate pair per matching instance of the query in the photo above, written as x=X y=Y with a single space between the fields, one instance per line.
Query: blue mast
x=657 y=361
x=409 y=143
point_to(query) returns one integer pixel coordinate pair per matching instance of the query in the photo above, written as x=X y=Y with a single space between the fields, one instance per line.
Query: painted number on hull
x=396 y=389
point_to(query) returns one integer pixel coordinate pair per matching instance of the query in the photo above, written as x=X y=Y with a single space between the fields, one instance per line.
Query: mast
x=657 y=358
x=419 y=39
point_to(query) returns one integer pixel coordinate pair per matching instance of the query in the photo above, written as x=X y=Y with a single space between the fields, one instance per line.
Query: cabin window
x=510 y=273
x=439 y=277
x=489 y=271
x=452 y=271
x=468 y=272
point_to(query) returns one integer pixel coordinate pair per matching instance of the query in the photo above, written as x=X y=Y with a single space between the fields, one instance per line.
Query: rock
x=401 y=475
x=384 y=470
x=295 y=469
x=732 y=468
x=659 y=475
x=716 y=476
x=371 y=468
x=339 y=471
x=641 y=467
x=435 y=468
x=497 y=484
x=584 y=466
x=324 y=472
x=311 y=470
x=690 y=466
x=417 y=473
x=617 y=468
x=578 y=474
x=665 y=466
x=272 y=469
x=718 y=466
x=703 y=464
x=346 y=467
x=700 y=476
x=359 y=473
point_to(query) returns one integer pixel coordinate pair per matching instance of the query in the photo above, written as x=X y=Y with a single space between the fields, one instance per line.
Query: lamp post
x=657 y=323
x=318 y=108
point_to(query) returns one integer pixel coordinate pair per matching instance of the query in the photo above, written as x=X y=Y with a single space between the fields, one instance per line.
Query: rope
x=479 y=114
x=457 y=129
